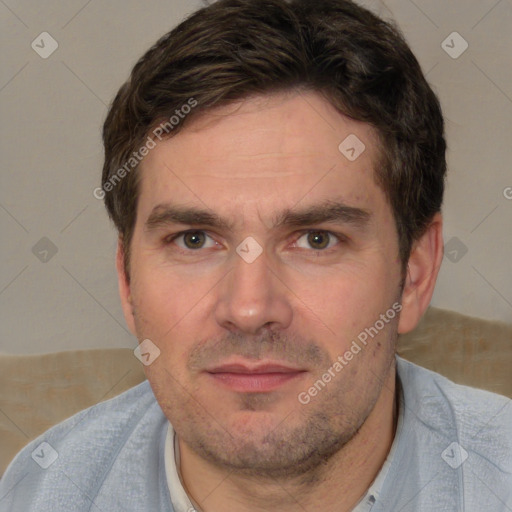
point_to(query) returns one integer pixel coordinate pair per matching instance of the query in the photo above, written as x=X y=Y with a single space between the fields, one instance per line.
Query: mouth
x=254 y=378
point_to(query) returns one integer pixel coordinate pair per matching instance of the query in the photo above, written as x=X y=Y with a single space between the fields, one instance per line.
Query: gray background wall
x=58 y=289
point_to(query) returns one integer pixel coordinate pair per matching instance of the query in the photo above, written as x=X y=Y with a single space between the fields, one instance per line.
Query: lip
x=254 y=378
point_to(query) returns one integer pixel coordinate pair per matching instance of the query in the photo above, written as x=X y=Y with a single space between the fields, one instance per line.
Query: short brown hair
x=234 y=49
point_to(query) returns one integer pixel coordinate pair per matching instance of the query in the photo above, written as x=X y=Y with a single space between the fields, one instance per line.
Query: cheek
x=350 y=300
x=158 y=306
x=172 y=311
x=164 y=289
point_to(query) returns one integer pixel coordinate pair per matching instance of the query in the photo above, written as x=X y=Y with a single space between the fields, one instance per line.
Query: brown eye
x=194 y=239
x=318 y=239
x=190 y=241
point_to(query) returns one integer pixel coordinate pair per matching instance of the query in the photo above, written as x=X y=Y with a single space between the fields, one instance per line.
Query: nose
x=253 y=297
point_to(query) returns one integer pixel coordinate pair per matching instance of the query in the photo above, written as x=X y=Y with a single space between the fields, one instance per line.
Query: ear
x=422 y=270
x=124 y=288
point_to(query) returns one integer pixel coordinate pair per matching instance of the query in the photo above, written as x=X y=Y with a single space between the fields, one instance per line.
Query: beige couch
x=39 y=391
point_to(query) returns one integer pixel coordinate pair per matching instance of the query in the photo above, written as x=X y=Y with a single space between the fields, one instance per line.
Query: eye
x=191 y=240
x=319 y=240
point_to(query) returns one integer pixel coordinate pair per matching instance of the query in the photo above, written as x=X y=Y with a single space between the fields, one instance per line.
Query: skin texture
x=301 y=302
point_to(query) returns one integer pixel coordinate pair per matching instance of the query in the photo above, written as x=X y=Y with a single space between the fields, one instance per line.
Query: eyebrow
x=337 y=212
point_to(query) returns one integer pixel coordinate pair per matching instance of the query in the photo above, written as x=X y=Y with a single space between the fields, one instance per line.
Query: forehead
x=264 y=151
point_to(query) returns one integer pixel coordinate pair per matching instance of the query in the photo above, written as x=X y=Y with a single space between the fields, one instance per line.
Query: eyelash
x=341 y=239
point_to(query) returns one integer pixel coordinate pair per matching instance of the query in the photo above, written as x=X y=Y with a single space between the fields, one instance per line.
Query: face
x=260 y=254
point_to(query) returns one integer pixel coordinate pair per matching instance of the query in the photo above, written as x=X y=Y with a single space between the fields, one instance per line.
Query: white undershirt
x=179 y=498
x=181 y=502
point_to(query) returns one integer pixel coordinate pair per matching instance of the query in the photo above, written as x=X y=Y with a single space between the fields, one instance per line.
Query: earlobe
x=422 y=270
x=124 y=288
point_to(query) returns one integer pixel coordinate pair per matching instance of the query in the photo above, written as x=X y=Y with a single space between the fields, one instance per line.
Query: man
x=275 y=171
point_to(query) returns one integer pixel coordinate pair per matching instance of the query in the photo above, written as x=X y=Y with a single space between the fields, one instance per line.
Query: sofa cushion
x=467 y=350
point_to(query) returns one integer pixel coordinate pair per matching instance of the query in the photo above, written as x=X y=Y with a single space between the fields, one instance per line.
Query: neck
x=336 y=486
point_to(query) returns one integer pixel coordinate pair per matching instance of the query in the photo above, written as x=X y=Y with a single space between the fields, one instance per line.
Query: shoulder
x=113 y=417
x=453 y=446
x=480 y=421
x=81 y=452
